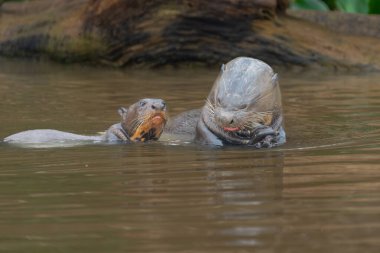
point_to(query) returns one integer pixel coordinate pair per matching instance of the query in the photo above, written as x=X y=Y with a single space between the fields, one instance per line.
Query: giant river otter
x=140 y=122
x=243 y=108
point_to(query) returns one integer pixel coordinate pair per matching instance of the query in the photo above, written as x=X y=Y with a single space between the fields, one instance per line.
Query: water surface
x=318 y=192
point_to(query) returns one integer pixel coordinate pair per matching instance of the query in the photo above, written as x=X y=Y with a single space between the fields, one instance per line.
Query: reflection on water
x=319 y=192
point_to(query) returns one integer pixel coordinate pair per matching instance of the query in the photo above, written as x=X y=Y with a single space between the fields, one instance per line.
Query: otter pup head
x=244 y=103
x=144 y=120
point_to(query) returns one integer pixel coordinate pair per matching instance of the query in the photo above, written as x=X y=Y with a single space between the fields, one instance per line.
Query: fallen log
x=172 y=32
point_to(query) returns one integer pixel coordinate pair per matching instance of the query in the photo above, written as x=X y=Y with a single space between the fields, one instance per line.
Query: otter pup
x=140 y=122
x=243 y=108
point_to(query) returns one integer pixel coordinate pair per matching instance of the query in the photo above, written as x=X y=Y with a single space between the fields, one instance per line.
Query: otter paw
x=269 y=141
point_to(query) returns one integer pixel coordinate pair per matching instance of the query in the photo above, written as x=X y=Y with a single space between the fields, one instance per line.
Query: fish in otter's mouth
x=151 y=128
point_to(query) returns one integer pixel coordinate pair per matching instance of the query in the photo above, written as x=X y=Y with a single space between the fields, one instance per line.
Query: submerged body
x=140 y=122
x=243 y=108
x=48 y=135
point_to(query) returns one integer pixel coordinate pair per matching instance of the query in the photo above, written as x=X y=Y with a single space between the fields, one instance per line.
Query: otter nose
x=159 y=105
x=226 y=118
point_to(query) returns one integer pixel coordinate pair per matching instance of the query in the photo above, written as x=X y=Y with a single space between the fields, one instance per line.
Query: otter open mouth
x=244 y=134
x=241 y=133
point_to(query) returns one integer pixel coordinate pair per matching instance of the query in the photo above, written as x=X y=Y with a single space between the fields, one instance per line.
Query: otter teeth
x=244 y=132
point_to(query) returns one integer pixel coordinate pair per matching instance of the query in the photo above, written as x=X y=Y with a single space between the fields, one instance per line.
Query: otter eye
x=142 y=103
x=244 y=106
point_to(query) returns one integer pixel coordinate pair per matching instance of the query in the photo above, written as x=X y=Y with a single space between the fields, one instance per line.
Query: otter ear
x=275 y=79
x=122 y=111
x=223 y=68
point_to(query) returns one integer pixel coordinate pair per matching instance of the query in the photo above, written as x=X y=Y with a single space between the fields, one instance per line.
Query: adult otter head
x=144 y=120
x=244 y=104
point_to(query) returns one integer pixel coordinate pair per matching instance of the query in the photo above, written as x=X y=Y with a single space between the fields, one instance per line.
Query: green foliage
x=374 y=7
x=352 y=6
x=310 y=5
x=331 y=4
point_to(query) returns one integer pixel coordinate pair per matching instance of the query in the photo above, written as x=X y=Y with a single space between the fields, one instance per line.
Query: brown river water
x=320 y=192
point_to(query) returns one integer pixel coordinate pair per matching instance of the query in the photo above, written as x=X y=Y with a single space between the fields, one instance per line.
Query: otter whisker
x=260 y=114
x=253 y=123
x=246 y=126
x=210 y=107
x=208 y=101
x=139 y=122
x=136 y=125
x=264 y=118
x=211 y=113
x=135 y=121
